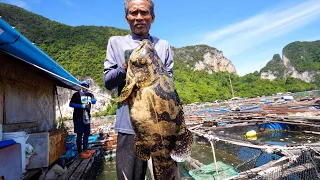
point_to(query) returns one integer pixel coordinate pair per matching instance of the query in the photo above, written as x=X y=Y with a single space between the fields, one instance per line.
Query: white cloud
x=26 y=4
x=245 y=35
x=36 y=1
x=70 y=3
x=314 y=38
x=20 y=3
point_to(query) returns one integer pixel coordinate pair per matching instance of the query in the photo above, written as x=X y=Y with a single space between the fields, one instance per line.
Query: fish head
x=141 y=65
x=141 y=55
x=141 y=69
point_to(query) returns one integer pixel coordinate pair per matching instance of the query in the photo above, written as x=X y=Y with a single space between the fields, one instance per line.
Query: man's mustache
x=137 y=24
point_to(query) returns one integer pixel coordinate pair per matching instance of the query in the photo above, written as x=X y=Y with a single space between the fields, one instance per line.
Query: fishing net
x=251 y=162
x=302 y=167
x=245 y=158
x=210 y=172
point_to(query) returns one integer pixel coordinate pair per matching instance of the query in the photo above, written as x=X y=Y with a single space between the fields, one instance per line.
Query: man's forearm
x=114 y=77
x=75 y=105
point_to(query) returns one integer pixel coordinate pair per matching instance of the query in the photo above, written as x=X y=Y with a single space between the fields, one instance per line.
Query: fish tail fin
x=164 y=167
x=140 y=149
x=184 y=143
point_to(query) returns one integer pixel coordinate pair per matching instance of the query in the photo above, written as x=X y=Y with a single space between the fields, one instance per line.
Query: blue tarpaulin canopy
x=15 y=44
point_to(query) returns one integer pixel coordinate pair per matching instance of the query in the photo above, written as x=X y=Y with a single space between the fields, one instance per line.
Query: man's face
x=139 y=17
x=86 y=87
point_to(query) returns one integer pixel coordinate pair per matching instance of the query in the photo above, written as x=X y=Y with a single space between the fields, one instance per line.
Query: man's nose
x=139 y=17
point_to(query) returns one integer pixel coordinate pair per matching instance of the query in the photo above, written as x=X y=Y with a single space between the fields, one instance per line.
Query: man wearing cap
x=81 y=102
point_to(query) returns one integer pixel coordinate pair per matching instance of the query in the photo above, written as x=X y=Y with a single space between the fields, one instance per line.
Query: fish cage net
x=303 y=167
x=254 y=163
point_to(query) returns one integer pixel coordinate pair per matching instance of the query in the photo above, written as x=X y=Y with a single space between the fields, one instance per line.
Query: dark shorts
x=80 y=127
x=127 y=162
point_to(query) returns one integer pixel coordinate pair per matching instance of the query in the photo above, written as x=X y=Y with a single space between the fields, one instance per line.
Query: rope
x=315 y=150
x=214 y=158
x=213 y=138
x=291 y=156
x=269 y=149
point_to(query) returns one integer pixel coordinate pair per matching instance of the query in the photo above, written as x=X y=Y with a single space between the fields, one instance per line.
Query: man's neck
x=138 y=37
x=84 y=91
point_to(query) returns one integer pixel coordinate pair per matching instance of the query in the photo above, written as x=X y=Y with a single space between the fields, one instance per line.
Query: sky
x=249 y=32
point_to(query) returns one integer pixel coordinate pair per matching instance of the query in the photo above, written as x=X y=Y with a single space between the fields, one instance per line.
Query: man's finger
x=125 y=65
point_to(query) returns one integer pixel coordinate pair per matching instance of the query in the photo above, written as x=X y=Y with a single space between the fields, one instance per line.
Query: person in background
x=139 y=14
x=81 y=102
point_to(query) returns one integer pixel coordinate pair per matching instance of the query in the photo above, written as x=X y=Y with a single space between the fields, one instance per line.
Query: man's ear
x=153 y=18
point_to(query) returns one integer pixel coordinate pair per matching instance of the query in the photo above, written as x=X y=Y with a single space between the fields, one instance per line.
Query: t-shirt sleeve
x=114 y=75
x=169 y=61
x=74 y=98
x=74 y=102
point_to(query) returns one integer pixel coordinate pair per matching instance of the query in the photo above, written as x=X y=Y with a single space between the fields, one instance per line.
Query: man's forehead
x=139 y=3
x=138 y=7
x=128 y=1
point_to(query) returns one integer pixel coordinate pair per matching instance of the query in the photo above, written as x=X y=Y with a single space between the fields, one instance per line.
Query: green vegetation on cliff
x=304 y=56
x=190 y=55
x=199 y=86
x=81 y=51
x=276 y=66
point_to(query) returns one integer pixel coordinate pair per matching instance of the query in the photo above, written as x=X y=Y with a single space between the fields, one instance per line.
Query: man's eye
x=133 y=13
x=145 y=13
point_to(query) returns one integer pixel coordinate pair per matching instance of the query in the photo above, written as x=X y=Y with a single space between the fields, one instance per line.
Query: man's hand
x=86 y=105
x=125 y=66
x=83 y=106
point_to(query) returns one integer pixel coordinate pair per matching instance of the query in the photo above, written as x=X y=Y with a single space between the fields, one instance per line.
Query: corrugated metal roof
x=14 y=43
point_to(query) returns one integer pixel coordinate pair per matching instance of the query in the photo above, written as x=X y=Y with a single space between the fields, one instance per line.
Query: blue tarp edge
x=12 y=42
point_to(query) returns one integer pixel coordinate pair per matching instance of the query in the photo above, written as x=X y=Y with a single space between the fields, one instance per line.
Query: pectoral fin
x=126 y=91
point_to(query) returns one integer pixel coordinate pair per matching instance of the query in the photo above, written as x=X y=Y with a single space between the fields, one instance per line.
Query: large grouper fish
x=155 y=111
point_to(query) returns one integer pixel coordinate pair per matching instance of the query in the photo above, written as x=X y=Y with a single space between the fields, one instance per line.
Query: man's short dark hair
x=126 y=8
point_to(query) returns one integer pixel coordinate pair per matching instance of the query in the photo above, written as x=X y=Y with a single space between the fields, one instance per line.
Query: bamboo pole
x=231 y=86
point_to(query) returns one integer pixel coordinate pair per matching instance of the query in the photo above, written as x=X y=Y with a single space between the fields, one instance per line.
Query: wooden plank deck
x=71 y=169
x=86 y=171
x=30 y=174
x=80 y=167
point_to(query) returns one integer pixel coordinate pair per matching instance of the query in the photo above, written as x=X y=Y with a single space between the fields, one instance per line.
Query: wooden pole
x=194 y=163
x=231 y=86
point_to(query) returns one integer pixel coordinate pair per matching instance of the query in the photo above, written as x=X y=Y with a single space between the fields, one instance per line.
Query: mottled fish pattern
x=155 y=111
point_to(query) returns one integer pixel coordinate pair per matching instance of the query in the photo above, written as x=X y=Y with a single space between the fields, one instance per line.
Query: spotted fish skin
x=155 y=111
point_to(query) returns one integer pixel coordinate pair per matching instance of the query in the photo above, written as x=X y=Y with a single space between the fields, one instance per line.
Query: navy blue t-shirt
x=79 y=117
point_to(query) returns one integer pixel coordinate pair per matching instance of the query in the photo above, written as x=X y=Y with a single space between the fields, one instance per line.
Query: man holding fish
x=149 y=118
